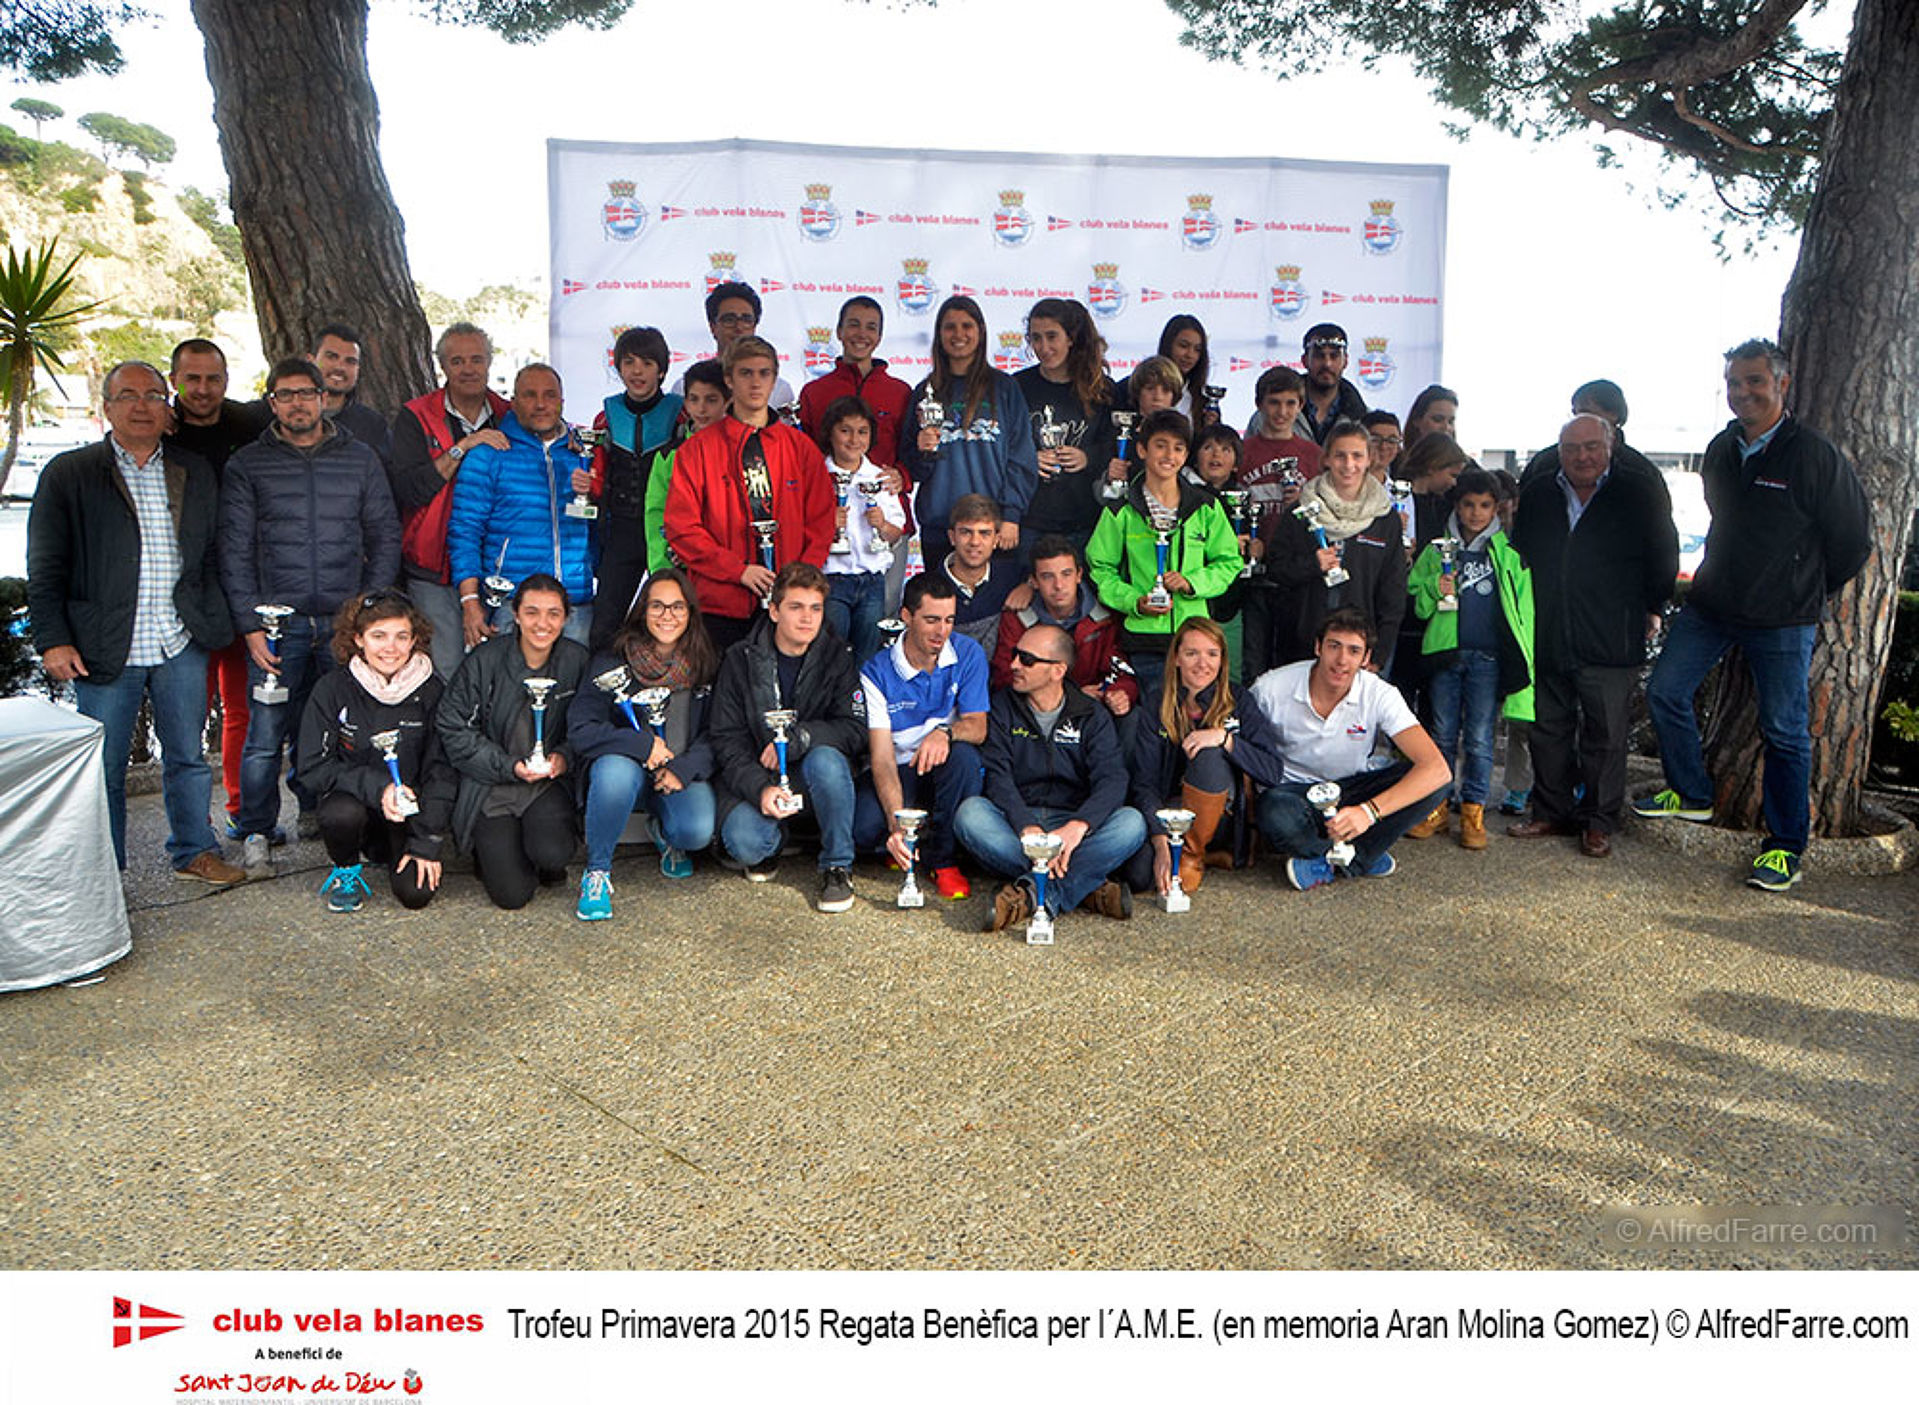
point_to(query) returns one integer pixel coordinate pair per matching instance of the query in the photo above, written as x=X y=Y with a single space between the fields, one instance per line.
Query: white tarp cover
x=62 y=913
x=1258 y=248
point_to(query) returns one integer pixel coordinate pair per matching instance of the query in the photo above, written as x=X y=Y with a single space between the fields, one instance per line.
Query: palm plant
x=33 y=325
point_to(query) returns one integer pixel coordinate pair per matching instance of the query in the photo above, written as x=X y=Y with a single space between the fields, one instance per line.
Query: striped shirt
x=158 y=632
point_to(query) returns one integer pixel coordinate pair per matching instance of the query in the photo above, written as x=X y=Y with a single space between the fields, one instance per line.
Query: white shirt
x=870 y=552
x=1347 y=742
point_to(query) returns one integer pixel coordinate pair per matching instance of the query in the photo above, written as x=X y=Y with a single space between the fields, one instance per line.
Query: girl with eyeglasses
x=661 y=766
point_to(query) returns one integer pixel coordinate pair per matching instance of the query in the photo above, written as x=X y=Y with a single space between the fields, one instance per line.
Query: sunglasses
x=1033 y=660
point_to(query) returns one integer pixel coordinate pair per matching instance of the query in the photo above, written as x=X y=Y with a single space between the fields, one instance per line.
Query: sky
x=1557 y=271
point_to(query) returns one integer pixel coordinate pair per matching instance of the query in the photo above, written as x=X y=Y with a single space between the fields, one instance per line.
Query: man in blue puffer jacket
x=306 y=521
x=515 y=499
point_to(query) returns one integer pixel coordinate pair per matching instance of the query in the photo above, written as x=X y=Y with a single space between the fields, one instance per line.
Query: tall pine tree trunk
x=1850 y=327
x=300 y=131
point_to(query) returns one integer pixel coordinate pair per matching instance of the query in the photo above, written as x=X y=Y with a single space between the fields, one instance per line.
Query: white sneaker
x=253 y=854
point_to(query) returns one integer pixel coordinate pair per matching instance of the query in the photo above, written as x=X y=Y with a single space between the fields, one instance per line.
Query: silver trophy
x=1159 y=597
x=890 y=630
x=1324 y=797
x=389 y=745
x=1235 y=501
x=1041 y=850
x=909 y=822
x=789 y=415
x=842 y=480
x=270 y=689
x=618 y=681
x=1052 y=435
x=779 y=719
x=1401 y=493
x=1176 y=823
x=1213 y=395
x=496 y=588
x=1123 y=423
x=539 y=690
x=765 y=529
x=654 y=700
x=586 y=440
x=1310 y=512
x=1118 y=669
x=1448 y=549
x=932 y=413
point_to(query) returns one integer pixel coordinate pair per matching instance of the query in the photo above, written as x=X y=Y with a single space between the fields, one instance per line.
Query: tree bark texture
x=300 y=132
x=1850 y=327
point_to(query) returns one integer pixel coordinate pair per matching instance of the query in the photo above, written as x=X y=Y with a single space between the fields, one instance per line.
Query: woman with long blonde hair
x=1182 y=758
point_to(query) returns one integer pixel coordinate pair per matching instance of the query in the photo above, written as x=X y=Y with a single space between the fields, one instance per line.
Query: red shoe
x=952 y=884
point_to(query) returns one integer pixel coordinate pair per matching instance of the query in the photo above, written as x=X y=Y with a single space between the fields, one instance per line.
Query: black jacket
x=305 y=527
x=1375 y=558
x=596 y=727
x=1790 y=526
x=485 y=720
x=336 y=752
x=83 y=557
x=1349 y=404
x=1593 y=588
x=1079 y=768
x=239 y=425
x=1158 y=765
x=828 y=698
x=1545 y=464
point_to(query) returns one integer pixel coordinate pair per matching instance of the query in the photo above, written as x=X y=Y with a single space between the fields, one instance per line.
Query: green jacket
x=1124 y=560
x=1515 y=585
x=658 y=558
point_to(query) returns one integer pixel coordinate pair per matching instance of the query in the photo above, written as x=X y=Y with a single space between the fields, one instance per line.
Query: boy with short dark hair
x=982 y=579
x=640 y=422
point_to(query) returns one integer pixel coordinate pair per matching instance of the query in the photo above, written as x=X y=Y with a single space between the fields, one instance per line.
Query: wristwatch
x=456 y=453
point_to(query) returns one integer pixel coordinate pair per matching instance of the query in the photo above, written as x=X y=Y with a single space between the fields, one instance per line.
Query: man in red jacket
x=749 y=467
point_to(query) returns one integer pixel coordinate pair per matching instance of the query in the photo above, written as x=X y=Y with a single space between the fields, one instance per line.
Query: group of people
x=698 y=617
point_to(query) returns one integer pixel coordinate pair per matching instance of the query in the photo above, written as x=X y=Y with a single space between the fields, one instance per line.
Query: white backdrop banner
x=1257 y=249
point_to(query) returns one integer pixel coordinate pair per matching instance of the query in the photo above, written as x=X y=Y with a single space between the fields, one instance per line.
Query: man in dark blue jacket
x=1790 y=526
x=1053 y=766
x=306 y=520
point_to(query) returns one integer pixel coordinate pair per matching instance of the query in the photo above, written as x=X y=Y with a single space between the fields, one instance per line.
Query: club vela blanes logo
x=917 y=291
x=1288 y=297
x=819 y=219
x=1105 y=294
x=135 y=1322
x=722 y=269
x=1012 y=225
x=1381 y=230
x=1199 y=228
x=1375 y=366
x=622 y=216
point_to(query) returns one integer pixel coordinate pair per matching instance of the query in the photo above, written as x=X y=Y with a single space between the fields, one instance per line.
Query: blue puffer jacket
x=517 y=498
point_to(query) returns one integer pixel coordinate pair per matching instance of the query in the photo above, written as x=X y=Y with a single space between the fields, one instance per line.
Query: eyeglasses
x=1033 y=660
x=138 y=397
x=666 y=607
x=1391 y=439
x=293 y=397
x=738 y=319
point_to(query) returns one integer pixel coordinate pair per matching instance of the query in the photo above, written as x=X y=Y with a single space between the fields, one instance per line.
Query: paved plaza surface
x=1461 y=1066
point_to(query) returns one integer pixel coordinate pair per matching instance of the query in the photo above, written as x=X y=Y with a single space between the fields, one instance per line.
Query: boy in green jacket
x=704 y=390
x=1476 y=597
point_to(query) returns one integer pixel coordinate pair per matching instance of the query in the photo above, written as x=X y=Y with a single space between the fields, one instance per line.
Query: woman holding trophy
x=1069 y=398
x=503 y=724
x=368 y=750
x=1182 y=759
x=638 y=733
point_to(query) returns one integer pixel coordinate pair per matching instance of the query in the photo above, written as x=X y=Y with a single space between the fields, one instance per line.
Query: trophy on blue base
x=1324 y=797
x=618 y=682
x=909 y=821
x=1448 y=549
x=779 y=719
x=270 y=689
x=1176 y=823
x=539 y=690
x=389 y=746
x=1310 y=513
x=1159 y=597
x=1041 y=850
x=1123 y=423
x=766 y=528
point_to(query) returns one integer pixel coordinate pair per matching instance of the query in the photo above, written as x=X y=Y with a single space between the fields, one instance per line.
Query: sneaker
x=764 y=871
x=836 y=890
x=1308 y=873
x=1385 y=866
x=673 y=862
x=1111 y=899
x=1775 y=870
x=952 y=884
x=345 y=889
x=277 y=839
x=253 y=853
x=1516 y=802
x=1671 y=805
x=1012 y=905
x=308 y=826
x=596 y=896
x=209 y=868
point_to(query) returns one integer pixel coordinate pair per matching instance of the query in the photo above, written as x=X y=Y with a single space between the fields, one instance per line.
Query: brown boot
x=1435 y=823
x=1472 y=826
x=1208 y=807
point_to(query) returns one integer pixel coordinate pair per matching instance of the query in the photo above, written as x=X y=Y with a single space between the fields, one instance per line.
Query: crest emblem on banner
x=1288 y=297
x=723 y=269
x=1382 y=231
x=819 y=352
x=1105 y=295
x=1012 y=225
x=916 y=287
x=819 y=220
x=613 y=341
x=1375 y=366
x=622 y=217
x=1199 y=229
x=1013 y=354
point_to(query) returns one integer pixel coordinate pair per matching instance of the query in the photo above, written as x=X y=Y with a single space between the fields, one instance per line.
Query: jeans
x=984 y=830
x=441 y=606
x=306 y=652
x=1465 y=701
x=940 y=792
x=826 y=780
x=1149 y=667
x=854 y=607
x=1780 y=660
x=579 y=622
x=1292 y=826
x=179 y=690
x=618 y=785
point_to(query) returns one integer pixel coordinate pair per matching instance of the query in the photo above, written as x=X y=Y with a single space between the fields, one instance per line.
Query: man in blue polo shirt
x=926 y=707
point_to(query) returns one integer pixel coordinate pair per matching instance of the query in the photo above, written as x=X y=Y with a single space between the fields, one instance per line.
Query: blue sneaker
x=673 y=862
x=1308 y=873
x=1382 y=867
x=1775 y=871
x=596 y=896
x=345 y=889
x=1516 y=802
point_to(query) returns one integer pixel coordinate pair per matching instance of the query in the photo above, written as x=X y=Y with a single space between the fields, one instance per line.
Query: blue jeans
x=1780 y=660
x=854 y=607
x=1292 y=827
x=826 y=780
x=179 y=690
x=618 y=785
x=579 y=622
x=987 y=835
x=940 y=792
x=306 y=652
x=1465 y=701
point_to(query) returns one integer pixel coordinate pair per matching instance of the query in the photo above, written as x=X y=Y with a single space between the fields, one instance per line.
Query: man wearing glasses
x=306 y=521
x=124 y=602
x=732 y=312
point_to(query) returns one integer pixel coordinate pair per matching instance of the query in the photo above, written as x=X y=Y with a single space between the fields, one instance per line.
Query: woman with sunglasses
x=514 y=809
x=658 y=756
x=379 y=701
